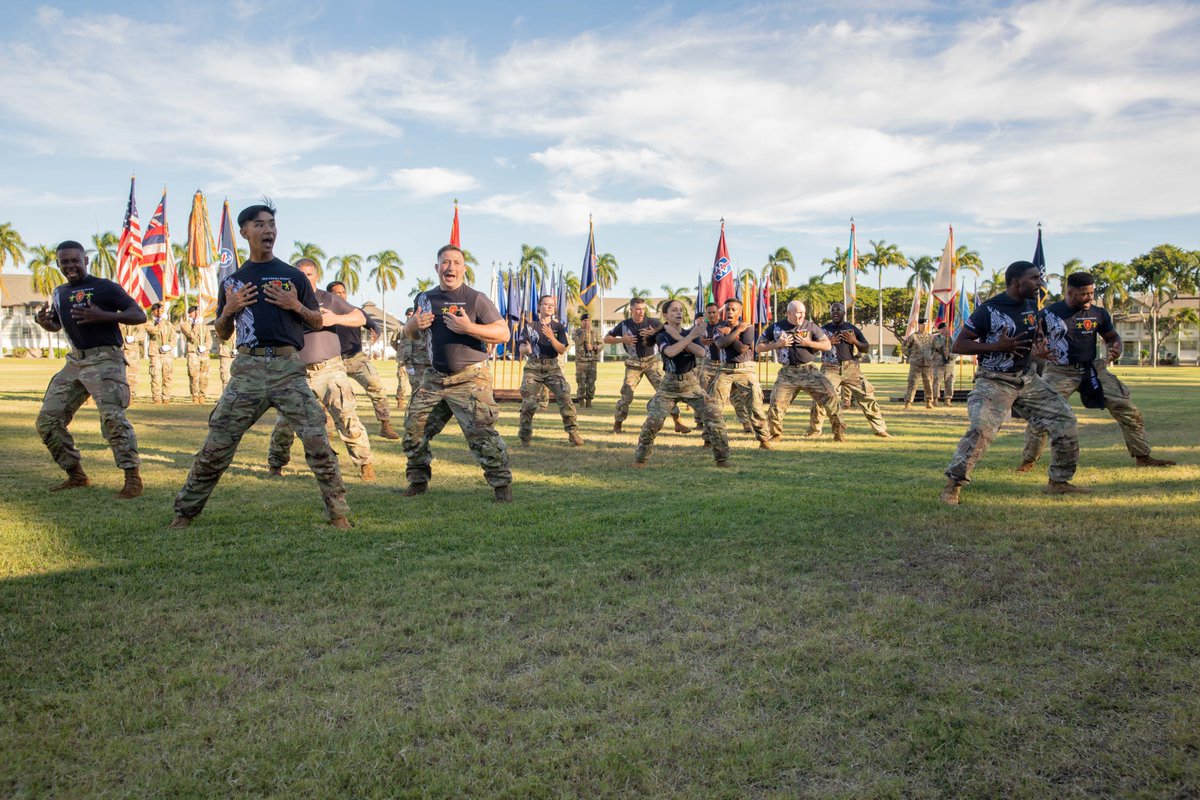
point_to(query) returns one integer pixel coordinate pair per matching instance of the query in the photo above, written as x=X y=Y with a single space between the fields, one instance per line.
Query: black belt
x=268 y=352
x=544 y=360
x=82 y=352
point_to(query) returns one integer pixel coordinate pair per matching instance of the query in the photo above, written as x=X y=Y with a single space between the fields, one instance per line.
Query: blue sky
x=364 y=120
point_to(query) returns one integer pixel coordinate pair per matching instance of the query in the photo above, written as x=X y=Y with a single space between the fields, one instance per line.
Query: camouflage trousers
x=100 y=373
x=739 y=396
x=197 y=367
x=133 y=363
x=745 y=375
x=466 y=395
x=943 y=381
x=795 y=378
x=1065 y=380
x=988 y=407
x=257 y=383
x=360 y=368
x=333 y=390
x=225 y=367
x=585 y=378
x=925 y=373
x=539 y=374
x=847 y=379
x=161 y=369
x=649 y=368
x=404 y=386
x=675 y=389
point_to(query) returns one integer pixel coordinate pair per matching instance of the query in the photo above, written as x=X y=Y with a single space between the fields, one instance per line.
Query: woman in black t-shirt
x=681 y=383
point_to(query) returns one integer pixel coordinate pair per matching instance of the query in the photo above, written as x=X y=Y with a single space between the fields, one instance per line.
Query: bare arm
x=1115 y=345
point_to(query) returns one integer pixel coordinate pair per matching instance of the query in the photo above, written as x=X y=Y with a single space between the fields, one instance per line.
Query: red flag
x=455 y=238
x=158 y=259
x=129 y=254
x=722 y=272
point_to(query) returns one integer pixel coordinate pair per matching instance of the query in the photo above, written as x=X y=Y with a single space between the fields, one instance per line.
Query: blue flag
x=562 y=297
x=587 y=276
x=513 y=304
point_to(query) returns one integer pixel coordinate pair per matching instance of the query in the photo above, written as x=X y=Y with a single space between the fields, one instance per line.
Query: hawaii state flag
x=227 y=249
x=723 y=284
x=129 y=254
x=587 y=279
x=158 y=261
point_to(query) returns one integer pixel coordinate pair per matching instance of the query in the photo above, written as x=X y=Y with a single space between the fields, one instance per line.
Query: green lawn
x=810 y=623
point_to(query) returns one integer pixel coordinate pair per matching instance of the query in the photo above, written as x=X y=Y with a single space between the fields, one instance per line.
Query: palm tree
x=682 y=294
x=883 y=255
x=309 y=250
x=533 y=258
x=1074 y=265
x=423 y=285
x=1113 y=280
x=103 y=254
x=606 y=271
x=924 y=269
x=837 y=264
x=470 y=262
x=12 y=246
x=243 y=255
x=812 y=294
x=189 y=278
x=43 y=263
x=776 y=271
x=994 y=284
x=386 y=274
x=346 y=269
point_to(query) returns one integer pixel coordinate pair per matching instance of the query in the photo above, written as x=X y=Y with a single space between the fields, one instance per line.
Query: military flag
x=944 y=288
x=455 y=237
x=763 y=312
x=587 y=275
x=229 y=262
x=129 y=254
x=158 y=260
x=562 y=297
x=850 y=284
x=202 y=255
x=723 y=283
x=964 y=309
x=699 y=294
x=513 y=303
x=914 y=313
x=1039 y=261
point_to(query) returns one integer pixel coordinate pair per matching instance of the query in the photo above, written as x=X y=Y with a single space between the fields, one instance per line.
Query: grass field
x=811 y=623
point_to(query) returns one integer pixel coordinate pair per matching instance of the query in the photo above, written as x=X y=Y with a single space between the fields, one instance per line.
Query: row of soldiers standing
x=930 y=361
x=155 y=340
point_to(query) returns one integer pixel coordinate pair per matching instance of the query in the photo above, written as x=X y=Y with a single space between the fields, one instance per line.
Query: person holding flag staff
x=160 y=342
x=269 y=304
x=1001 y=332
x=198 y=340
x=943 y=364
x=1071 y=327
x=358 y=363
x=587 y=355
x=735 y=337
x=918 y=349
x=542 y=343
x=681 y=384
x=798 y=343
x=840 y=366
x=90 y=311
x=134 y=347
x=460 y=323
x=637 y=335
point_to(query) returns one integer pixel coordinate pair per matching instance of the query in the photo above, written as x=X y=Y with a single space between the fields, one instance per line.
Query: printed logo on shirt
x=1086 y=325
x=279 y=283
x=452 y=310
x=80 y=297
x=1029 y=318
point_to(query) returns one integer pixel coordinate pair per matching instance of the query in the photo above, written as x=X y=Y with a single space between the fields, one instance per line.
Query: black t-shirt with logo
x=644 y=347
x=99 y=292
x=539 y=347
x=741 y=349
x=840 y=351
x=710 y=332
x=351 y=337
x=680 y=364
x=1003 y=316
x=451 y=352
x=324 y=344
x=1071 y=332
x=795 y=354
x=264 y=324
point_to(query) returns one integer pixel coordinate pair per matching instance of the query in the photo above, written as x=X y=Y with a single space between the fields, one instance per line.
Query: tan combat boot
x=1064 y=487
x=575 y=439
x=367 y=471
x=387 y=431
x=76 y=479
x=949 y=494
x=133 y=485
x=680 y=427
x=503 y=494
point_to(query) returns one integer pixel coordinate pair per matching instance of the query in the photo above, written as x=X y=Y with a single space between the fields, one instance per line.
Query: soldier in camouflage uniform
x=160 y=343
x=943 y=364
x=133 y=338
x=358 y=363
x=1001 y=333
x=226 y=353
x=735 y=337
x=405 y=380
x=681 y=383
x=637 y=335
x=460 y=323
x=798 y=343
x=840 y=365
x=542 y=343
x=740 y=397
x=269 y=303
x=918 y=348
x=198 y=340
x=587 y=355
x=89 y=310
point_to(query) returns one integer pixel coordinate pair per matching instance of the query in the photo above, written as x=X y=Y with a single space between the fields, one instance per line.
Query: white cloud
x=432 y=181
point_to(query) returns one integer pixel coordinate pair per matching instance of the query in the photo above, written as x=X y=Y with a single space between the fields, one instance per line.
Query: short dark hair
x=922 y=319
x=707 y=306
x=193 y=308
x=331 y=284
x=637 y=301
x=69 y=244
x=446 y=247
x=584 y=313
x=734 y=300
x=250 y=212
x=543 y=297
x=156 y=306
x=667 y=305
x=1080 y=279
x=941 y=325
x=1016 y=269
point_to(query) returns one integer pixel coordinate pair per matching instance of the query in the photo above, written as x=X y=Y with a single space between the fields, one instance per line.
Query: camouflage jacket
x=160 y=335
x=196 y=336
x=919 y=349
x=588 y=343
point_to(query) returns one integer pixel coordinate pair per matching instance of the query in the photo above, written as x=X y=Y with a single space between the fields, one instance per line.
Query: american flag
x=129 y=254
x=158 y=261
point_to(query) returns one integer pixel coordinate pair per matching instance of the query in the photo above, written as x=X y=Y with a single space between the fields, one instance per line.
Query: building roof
x=17 y=290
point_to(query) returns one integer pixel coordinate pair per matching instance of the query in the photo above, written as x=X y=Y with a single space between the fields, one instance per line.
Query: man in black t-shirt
x=1071 y=327
x=461 y=323
x=542 y=342
x=710 y=365
x=90 y=311
x=269 y=304
x=840 y=365
x=637 y=334
x=798 y=343
x=1001 y=332
x=358 y=363
x=735 y=338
